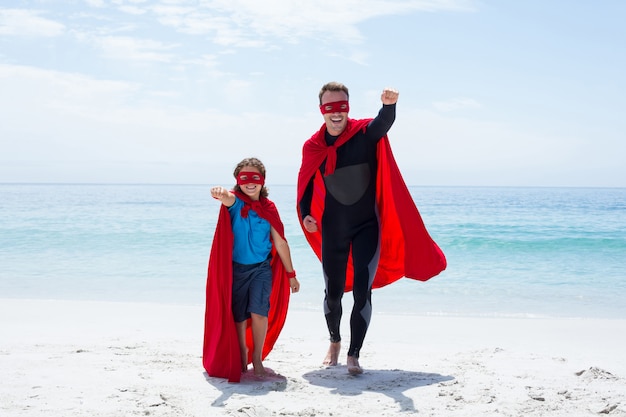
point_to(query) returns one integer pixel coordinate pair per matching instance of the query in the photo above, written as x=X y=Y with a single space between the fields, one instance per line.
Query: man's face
x=336 y=121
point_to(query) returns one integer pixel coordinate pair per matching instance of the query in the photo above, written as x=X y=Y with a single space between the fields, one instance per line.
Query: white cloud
x=132 y=10
x=253 y=23
x=127 y=48
x=75 y=121
x=95 y=3
x=28 y=23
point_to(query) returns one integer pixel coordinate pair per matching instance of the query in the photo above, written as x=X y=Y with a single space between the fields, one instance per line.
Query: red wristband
x=291 y=274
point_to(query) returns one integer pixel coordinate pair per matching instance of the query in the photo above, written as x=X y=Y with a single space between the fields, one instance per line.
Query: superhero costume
x=379 y=207
x=221 y=355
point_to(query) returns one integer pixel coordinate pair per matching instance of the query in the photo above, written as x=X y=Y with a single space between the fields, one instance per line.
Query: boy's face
x=251 y=189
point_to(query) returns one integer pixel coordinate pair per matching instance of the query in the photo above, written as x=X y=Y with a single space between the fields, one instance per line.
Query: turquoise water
x=511 y=251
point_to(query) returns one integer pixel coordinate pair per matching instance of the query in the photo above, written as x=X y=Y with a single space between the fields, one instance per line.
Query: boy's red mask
x=335 y=107
x=250 y=177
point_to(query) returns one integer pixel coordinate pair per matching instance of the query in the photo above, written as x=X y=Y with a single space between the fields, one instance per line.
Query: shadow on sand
x=392 y=383
x=249 y=385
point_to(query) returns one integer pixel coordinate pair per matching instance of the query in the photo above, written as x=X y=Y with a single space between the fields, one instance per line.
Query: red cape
x=220 y=355
x=407 y=250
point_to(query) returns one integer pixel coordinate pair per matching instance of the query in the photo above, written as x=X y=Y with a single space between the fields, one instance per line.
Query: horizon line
x=293 y=185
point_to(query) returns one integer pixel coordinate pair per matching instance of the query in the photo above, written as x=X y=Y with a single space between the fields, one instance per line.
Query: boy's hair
x=252 y=162
x=333 y=86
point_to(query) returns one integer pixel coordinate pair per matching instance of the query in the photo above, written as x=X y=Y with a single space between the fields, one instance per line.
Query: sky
x=492 y=93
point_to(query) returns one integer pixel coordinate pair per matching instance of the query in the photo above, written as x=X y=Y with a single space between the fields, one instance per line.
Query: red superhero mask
x=250 y=177
x=335 y=107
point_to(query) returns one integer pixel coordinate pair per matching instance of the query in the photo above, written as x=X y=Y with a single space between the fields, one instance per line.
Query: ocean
x=512 y=252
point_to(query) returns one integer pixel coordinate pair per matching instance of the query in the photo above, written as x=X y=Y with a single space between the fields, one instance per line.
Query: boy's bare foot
x=244 y=361
x=332 y=357
x=353 y=366
x=260 y=370
x=268 y=375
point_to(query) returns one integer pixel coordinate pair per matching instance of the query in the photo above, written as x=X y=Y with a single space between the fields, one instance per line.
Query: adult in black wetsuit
x=350 y=219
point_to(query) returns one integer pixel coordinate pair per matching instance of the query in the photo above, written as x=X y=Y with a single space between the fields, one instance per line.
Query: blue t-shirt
x=251 y=235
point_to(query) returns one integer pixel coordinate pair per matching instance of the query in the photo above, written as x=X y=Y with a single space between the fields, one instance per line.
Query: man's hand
x=310 y=224
x=389 y=96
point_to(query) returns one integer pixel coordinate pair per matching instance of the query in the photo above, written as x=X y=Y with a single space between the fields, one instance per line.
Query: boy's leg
x=259 y=331
x=259 y=307
x=243 y=349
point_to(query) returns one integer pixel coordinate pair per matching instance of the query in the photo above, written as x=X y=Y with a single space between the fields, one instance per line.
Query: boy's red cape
x=220 y=355
x=407 y=250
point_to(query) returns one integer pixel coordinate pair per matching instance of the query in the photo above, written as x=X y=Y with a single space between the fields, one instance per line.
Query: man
x=358 y=215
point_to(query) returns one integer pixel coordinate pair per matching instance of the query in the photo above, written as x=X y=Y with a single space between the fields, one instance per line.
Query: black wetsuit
x=350 y=220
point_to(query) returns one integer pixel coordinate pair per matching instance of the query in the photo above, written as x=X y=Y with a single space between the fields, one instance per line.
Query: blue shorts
x=252 y=285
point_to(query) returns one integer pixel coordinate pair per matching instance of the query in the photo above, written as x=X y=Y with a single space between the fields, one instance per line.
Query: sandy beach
x=70 y=358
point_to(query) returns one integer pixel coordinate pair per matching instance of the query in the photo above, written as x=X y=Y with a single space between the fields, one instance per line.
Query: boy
x=247 y=288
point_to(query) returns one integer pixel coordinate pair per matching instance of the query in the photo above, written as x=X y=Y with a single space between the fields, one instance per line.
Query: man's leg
x=365 y=255
x=334 y=261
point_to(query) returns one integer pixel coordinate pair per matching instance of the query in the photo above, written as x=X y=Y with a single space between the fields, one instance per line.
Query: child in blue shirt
x=257 y=233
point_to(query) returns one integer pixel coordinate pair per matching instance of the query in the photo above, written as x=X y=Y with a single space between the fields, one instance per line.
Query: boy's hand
x=219 y=193
x=294 y=284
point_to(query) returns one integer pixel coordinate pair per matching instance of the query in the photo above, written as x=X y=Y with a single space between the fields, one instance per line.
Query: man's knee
x=332 y=304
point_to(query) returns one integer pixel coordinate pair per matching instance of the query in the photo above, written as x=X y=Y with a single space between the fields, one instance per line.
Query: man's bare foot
x=332 y=357
x=353 y=366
